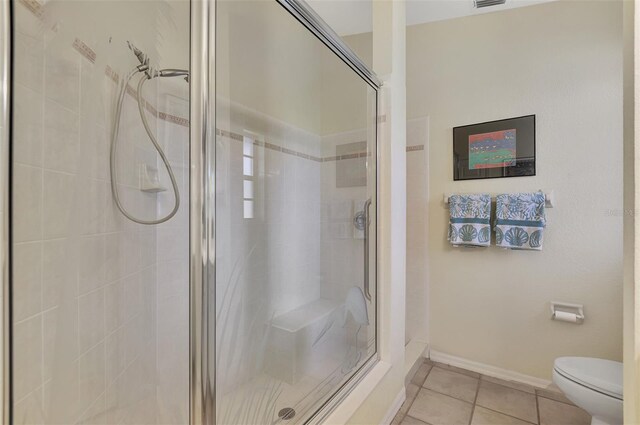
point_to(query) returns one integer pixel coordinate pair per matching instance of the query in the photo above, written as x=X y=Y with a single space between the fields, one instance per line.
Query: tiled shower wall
x=172 y=241
x=342 y=243
x=268 y=261
x=90 y=338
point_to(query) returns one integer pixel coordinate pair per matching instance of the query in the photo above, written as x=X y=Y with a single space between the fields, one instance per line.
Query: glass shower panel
x=100 y=301
x=295 y=217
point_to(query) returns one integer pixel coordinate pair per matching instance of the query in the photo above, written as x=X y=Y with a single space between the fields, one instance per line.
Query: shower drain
x=286 y=413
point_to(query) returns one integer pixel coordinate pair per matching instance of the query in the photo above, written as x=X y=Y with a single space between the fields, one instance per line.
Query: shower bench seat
x=293 y=334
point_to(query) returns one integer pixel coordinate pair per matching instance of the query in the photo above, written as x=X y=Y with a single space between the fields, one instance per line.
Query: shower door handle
x=367 y=222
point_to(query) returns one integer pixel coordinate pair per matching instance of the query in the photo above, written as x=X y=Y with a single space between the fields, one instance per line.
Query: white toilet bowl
x=595 y=385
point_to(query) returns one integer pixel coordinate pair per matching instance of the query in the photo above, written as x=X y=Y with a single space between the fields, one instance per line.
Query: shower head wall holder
x=150 y=180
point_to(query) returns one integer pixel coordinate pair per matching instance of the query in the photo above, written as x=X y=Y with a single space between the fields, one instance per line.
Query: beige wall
x=563 y=62
x=417 y=313
x=631 y=198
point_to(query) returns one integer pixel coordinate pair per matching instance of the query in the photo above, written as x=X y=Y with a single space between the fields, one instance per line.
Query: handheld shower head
x=144 y=59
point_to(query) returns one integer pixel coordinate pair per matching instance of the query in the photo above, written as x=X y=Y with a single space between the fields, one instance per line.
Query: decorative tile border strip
x=415 y=148
x=174 y=119
x=113 y=75
x=272 y=146
x=346 y=156
x=34 y=7
x=239 y=138
x=84 y=50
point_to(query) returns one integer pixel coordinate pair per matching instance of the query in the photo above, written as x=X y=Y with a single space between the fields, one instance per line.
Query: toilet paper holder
x=567 y=312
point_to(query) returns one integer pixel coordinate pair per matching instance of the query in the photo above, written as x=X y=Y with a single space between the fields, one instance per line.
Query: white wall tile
x=27 y=367
x=115 y=306
x=91 y=273
x=93 y=198
x=29 y=64
x=132 y=296
x=62 y=76
x=59 y=272
x=115 y=355
x=28 y=126
x=27 y=286
x=29 y=410
x=91 y=317
x=91 y=376
x=114 y=259
x=61 y=140
x=60 y=350
x=130 y=251
x=27 y=197
x=58 y=205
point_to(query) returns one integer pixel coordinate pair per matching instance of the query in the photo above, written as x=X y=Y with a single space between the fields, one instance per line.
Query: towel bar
x=549 y=198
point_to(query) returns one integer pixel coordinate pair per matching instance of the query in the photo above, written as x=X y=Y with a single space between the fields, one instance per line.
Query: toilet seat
x=602 y=376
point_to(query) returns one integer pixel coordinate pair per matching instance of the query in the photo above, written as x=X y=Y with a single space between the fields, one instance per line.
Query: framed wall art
x=502 y=148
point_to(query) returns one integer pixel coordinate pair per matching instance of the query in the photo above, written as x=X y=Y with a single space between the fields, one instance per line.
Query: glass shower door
x=100 y=280
x=295 y=173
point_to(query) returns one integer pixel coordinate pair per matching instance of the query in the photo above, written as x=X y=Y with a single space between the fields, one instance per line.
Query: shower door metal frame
x=203 y=208
x=314 y=23
x=5 y=169
x=202 y=202
x=318 y=27
x=202 y=213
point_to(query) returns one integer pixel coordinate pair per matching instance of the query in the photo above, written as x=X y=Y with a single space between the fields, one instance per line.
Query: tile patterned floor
x=440 y=394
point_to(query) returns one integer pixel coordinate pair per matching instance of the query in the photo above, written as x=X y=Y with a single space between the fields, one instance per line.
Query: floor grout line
x=446 y=395
x=553 y=399
x=418 y=420
x=475 y=400
x=506 y=414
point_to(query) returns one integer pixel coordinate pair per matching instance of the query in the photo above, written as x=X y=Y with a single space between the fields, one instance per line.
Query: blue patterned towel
x=520 y=220
x=469 y=219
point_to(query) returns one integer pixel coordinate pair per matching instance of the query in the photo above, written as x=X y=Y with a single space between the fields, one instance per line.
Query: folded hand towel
x=469 y=219
x=520 y=220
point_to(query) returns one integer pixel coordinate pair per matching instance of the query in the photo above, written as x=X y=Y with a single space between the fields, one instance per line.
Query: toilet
x=595 y=385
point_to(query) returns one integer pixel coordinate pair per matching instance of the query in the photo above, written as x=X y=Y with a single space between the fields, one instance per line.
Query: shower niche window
x=249 y=177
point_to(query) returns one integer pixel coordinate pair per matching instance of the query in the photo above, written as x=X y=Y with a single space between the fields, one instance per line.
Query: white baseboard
x=395 y=407
x=488 y=370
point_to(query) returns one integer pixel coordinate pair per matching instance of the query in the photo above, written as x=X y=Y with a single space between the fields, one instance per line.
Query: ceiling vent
x=479 y=4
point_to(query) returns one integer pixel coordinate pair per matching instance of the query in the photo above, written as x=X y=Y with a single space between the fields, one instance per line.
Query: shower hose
x=146 y=75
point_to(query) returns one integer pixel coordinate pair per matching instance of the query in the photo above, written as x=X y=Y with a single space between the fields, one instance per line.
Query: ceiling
x=354 y=16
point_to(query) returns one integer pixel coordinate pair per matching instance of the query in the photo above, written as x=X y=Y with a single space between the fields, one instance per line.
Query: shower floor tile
x=442 y=394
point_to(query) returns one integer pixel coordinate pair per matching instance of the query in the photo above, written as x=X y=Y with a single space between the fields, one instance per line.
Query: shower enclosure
x=190 y=213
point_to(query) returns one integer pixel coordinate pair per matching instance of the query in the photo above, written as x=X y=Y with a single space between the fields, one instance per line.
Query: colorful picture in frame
x=492 y=150
x=502 y=148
